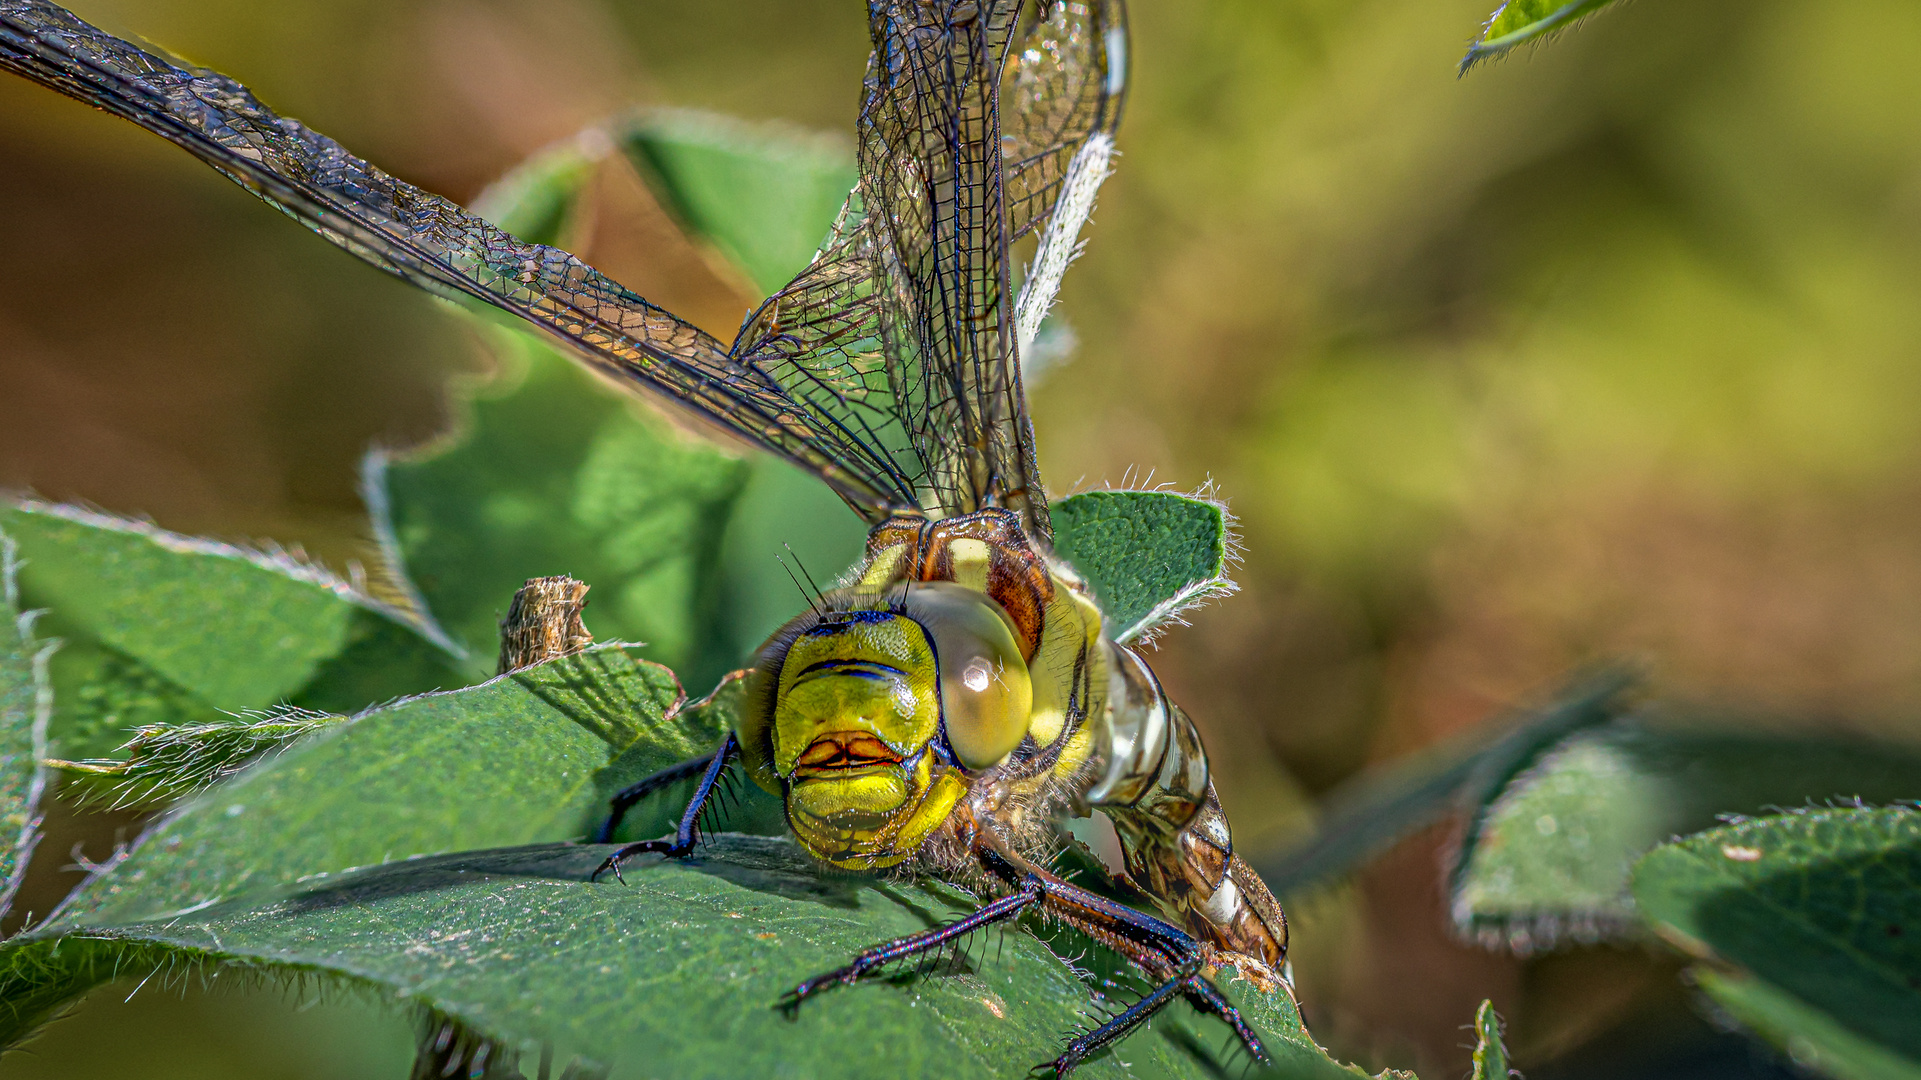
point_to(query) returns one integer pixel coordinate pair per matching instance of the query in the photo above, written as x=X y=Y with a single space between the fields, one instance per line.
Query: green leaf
x=1148 y=555
x=557 y=473
x=536 y=199
x=26 y=700
x=1520 y=21
x=1382 y=806
x=520 y=759
x=701 y=724
x=763 y=194
x=1549 y=857
x=168 y=761
x=1490 y=1056
x=105 y=695
x=785 y=519
x=164 y=628
x=501 y=941
x=676 y=972
x=1813 y=1039
x=1812 y=924
x=1298 y=1057
x=516 y=944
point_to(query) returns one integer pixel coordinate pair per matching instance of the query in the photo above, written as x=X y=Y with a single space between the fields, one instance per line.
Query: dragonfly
x=952 y=699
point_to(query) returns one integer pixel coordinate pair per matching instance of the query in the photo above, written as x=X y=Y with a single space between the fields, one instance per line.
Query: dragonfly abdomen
x=1174 y=835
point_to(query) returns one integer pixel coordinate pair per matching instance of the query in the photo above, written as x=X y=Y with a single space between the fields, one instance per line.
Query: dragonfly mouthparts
x=841 y=750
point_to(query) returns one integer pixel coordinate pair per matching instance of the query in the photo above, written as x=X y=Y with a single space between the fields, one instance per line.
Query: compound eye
x=986 y=695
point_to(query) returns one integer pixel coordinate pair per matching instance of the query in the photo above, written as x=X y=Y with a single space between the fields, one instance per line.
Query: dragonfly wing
x=822 y=335
x=1061 y=96
x=933 y=248
x=975 y=118
x=435 y=244
x=1064 y=84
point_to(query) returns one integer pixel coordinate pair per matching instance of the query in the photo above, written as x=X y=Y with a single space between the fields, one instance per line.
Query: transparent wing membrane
x=889 y=367
x=1064 y=83
x=970 y=117
x=435 y=244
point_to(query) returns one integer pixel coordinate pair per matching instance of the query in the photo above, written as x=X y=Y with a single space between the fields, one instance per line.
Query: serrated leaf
x=683 y=964
x=26 y=700
x=1821 y=907
x=519 y=759
x=1520 y=21
x=1490 y=1054
x=1383 y=805
x=105 y=695
x=1299 y=1058
x=164 y=628
x=675 y=973
x=1148 y=555
x=1549 y=858
x=764 y=196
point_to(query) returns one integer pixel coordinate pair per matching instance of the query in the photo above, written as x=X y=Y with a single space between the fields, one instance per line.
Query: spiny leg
x=1190 y=983
x=1159 y=947
x=625 y=799
x=1005 y=907
x=1156 y=945
x=1117 y=1026
x=689 y=832
x=1205 y=996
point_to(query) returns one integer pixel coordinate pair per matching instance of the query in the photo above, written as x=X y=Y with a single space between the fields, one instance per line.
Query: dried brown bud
x=543 y=623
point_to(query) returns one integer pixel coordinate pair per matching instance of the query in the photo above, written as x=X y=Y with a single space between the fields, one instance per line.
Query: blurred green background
x=1610 y=348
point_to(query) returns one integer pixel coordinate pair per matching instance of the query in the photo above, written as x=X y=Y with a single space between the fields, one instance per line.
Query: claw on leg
x=1207 y=997
x=842 y=976
x=1160 y=948
x=669 y=848
x=625 y=799
x=688 y=834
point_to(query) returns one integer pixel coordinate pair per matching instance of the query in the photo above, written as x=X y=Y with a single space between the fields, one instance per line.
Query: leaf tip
x=1490 y=1054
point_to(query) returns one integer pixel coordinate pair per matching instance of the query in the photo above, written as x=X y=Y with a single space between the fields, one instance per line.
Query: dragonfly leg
x=1164 y=950
x=689 y=832
x=1113 y=1030
x=1189 y=983
x=987 y=914
x=628 y=796
x=1156 y=945
x=1207 y=997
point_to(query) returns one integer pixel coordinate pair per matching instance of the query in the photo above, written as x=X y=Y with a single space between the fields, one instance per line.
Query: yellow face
x=877 y=714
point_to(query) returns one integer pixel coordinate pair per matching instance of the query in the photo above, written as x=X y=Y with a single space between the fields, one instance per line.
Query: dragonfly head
x=867 y=715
